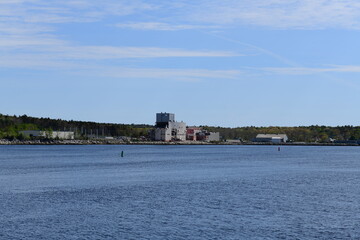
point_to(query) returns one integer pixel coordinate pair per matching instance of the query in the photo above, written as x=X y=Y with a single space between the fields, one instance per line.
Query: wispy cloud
x=29 y=38
x=278 y=14
x=57 y=11
x=84 y=69
x=54 y=49
x=107 y=52
x=293 y=14
x=284 y=14
x=158 y=26
x=170 y=74
x=23 y=41
x=310 y=71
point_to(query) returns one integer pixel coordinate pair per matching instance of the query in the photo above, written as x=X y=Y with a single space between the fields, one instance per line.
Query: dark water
x=179 y=192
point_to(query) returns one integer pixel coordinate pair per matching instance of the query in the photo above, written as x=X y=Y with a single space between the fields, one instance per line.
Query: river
x=179 y=192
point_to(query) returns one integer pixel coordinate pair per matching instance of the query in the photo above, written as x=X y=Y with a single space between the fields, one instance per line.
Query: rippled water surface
x=179 y=192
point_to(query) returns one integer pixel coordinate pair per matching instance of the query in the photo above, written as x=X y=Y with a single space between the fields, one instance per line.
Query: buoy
x=279 y=149
x=122 y=153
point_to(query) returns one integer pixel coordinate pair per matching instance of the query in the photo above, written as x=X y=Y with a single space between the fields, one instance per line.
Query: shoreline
x=121 y=142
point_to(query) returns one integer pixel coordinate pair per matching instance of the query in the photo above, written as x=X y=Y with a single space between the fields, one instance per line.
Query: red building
x=191 y=133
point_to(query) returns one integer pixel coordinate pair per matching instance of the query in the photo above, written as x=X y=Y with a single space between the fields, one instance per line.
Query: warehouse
x=273 y=138
x=48 y=134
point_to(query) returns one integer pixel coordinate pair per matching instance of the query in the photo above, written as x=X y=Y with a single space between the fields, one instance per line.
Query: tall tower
x=163 y=119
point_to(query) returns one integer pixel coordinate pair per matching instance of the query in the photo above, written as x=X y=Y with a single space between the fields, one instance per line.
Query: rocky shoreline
x=98 y=142
x=122 y=142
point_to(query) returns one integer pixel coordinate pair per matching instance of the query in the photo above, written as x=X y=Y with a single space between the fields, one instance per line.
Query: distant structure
x=192 y=133
x=162 y=119
x=167 y=129
x=48 y=134
x=208 y=136
x=273 y=138
x=233 y=141
x=349 y=142
x=198 y=134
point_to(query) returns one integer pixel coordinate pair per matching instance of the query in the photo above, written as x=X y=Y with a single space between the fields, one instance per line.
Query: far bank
x=120 y=142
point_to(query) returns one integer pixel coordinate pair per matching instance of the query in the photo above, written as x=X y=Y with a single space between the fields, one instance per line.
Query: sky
x=228 y=63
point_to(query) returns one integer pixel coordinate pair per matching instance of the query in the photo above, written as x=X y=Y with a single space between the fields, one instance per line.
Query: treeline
x=11 y=125
x=296 y=134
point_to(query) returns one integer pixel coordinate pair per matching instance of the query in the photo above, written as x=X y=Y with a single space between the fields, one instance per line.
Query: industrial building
x=48 y=134
x=198 y=134
x=162 y=119
x=273 y=138
x=192 y=132
x=208 y=136
x=167 y=129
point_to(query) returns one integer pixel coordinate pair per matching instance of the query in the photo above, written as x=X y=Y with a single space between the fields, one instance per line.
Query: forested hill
x=11 y=125
x=296 y=134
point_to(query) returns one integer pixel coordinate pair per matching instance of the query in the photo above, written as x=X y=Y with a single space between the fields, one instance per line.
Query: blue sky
x=222 y=63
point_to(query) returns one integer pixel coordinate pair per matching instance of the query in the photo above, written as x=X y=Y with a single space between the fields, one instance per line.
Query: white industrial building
x=167 y=129
x=213 y=137
x=273 y=138
x=48 y=134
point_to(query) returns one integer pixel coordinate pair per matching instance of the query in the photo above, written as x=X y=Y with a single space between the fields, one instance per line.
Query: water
x=179 y=192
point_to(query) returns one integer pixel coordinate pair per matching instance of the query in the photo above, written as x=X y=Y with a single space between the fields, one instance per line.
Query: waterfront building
x=191 y=133
x=273 y=138
x=49 y=134
x=208 y=136
x=199 y=134
x=213 y=137
x=233 y=140
x=167 y=129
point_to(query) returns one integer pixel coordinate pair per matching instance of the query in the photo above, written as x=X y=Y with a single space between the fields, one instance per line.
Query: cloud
x=283 y=14
x=273 y=14
x=61 y=51
x=22 y=41
x=186 y=14
x=58 y=11
x=93 y=61
x=158 y=26
x=310 y=71
x=108 y=52
x=164 y=73
x=29 y=37
x=51 y=63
